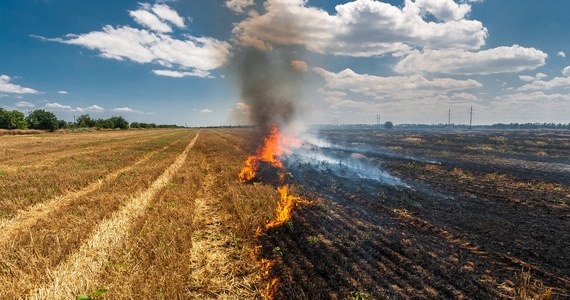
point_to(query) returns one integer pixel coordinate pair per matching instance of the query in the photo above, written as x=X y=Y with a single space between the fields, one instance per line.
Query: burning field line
x=260 y=167
x=75 y=275
x=29 y=217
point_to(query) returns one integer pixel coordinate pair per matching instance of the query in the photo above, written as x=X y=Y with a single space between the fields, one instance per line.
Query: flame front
x=268 y=152
x=274 y=145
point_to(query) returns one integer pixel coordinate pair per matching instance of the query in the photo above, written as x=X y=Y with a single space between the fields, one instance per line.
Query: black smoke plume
x=269 y=86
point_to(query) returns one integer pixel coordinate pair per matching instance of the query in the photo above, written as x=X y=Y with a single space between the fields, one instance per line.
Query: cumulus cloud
x=67 y=108
x=541 y=85
x=528 y=78
x=456 y=61
x=566 y=71
x=394 y=87
x=238 y=5
x=125 y=110
x=155 y=17
x=24 y=104
x=93 y=108
x=362 y=27
x=168 y=14
x=206 y=110
x=446 y=10
x=63 y=92
x=150 y=20
x=561 y=54
x=299 y=66
x=7 y=87
x=194 y=54
x=180 y=74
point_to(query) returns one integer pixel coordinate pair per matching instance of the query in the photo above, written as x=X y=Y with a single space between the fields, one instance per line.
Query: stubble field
x=161 y=214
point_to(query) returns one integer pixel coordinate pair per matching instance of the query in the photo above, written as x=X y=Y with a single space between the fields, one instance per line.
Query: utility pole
x=378 y=119
x=471 y=118
x=449 y=118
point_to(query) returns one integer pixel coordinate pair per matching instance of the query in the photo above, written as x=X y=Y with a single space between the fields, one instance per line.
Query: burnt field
x=406 y=214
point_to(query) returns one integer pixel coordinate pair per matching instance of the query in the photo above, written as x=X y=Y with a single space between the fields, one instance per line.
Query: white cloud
x=561 y=54
x=238 y=5
x=125 y=110
x=168 y=14
x=394 y=87
x=180 y=74
x=206 y=110
x=527 y=78
x=67 y=108
x=299 y=66
x=540 y=85
x=361 y=27
x=63 y=92
x=464 y=97
x=24 y=104
x=455 y=61
x=566 y=71
x=149 y=20
x=7 y=87
x=446 y=10
x=59 y=107
x=198 y=54
x=142 y=46
x=93 y=108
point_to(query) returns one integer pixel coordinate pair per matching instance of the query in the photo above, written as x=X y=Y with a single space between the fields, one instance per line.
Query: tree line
x=45 y=120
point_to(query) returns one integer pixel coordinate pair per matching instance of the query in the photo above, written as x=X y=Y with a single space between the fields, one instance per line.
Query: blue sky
x=174 y=61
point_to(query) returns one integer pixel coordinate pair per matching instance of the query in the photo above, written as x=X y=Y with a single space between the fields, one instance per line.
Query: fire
x=274 y=145
x=284 y=209
x=269 y=153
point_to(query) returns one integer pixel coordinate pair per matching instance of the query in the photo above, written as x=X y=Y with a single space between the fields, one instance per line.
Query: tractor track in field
x=75 y=274
x=213 y=277
x=31 y=215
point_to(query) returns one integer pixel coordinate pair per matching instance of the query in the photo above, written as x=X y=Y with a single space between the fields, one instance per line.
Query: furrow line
x=75 y=274
x=28 y=217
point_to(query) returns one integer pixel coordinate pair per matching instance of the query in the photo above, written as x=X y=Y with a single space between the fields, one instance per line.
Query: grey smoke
x=269 y=86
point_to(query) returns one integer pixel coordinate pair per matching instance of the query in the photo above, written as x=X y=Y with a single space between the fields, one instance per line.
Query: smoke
x=270 y=86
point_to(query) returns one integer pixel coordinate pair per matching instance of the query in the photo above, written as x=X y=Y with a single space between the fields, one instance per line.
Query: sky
x=174 y=61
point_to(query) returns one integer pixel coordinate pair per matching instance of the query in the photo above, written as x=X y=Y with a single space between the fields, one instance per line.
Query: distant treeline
x=45 y=120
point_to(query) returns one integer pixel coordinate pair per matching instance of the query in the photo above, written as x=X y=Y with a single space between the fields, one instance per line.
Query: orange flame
x=269 y=152
x=274 y=145
x=284 y=208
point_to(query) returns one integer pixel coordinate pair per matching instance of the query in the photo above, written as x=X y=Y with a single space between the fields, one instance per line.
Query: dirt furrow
x=76 y=273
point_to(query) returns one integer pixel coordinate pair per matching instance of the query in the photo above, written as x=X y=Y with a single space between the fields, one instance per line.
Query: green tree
x=41 y=119
x=85 y=121
x=12 y=119
x=388 y=125
x=119 y=122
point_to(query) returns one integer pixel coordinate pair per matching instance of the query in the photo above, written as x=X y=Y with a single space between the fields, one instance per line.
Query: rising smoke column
x=270 y=87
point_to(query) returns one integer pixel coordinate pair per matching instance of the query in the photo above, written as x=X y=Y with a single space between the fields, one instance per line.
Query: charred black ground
x=481 y=206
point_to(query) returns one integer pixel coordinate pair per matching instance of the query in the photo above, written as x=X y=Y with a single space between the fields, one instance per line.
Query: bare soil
x=478 y=207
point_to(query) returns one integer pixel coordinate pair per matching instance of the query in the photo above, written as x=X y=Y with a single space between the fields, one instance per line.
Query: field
x=394 y=214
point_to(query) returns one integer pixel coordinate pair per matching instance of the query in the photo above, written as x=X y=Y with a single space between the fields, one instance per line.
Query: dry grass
x=132 y=224
x=529 y=289
x=22 y=188
x=76 y=274
x=35 y=250
x=20 y=132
